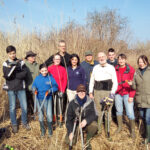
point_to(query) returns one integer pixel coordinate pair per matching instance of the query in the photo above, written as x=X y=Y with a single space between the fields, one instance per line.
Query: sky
x=42 y=15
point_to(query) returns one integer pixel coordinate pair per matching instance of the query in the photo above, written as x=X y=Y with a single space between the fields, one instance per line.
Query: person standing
x=125 y=94
x=45 y=85
x=60 y=75
x=65 y=57
x=103 y=83
x=76 y=76
x=15 y=71
x=32 y=72
x=111 y=57
x=88 y=65
x=141 y=83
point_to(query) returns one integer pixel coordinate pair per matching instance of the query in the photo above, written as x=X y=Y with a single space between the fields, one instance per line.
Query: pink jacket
x=60 y=75
x=123 y=87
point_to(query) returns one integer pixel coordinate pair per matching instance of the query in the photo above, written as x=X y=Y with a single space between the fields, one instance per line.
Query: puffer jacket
x=88 y=113
x=123 y=87
x=141 y=83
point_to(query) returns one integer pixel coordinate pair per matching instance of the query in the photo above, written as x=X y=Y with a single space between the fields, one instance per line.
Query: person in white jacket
x=103 y=83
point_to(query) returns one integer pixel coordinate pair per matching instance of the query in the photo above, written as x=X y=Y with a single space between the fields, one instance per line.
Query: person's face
x=111 y=56
x=62 y=47
x=141 y=64
x=88 y=58
x=81 y=94
x=74 y=61
x=57 y=60
x=31 y=59
x=102 y=58
x=44 y=71
x=12 y=55
x=121 y=61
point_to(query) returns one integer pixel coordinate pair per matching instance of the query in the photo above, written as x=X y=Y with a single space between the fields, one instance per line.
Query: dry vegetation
x=103 y=30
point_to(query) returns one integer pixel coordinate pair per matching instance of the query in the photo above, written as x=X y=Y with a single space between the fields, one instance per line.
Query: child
x=15 y=72
x=44 y=83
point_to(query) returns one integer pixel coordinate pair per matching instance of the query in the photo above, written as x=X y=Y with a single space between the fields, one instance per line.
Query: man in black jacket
x=15 y=72
x=88 y=116
x=65 y=57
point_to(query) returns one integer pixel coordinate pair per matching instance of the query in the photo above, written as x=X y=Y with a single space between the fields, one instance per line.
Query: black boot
x=42 y=128
x=50 y=129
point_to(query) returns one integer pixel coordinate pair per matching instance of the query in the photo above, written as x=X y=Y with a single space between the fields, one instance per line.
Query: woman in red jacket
x=60 y=75
x=124 y=93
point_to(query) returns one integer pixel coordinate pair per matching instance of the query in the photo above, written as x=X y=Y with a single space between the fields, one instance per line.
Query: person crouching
x=45 y=85
x=88 y=114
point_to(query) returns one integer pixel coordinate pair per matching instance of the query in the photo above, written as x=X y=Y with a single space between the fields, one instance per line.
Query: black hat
x=29 y=53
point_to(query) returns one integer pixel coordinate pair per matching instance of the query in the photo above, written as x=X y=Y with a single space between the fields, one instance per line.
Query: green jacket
x=33 y=71
x=141 y=83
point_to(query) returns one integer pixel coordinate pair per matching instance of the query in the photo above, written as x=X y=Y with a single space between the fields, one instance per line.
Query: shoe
x=50 y=129
x=42 y=129
x=132 y=129
x=27 y=127
x=119 y=120
x=14 y=128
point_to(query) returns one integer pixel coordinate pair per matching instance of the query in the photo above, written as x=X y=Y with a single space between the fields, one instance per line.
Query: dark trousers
x=30 y=102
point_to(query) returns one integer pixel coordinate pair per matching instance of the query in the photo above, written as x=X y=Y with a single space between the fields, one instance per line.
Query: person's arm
x=114 y=80
x=49 y=61
x=91 y=85
x=53 y=85
x=22 y=72
x=64 y=82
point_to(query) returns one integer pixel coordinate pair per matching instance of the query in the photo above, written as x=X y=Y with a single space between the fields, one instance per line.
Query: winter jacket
x=123 y=87
x=88 y=113
x=43 y=84
x=14 y=73
x=88 y=68
x=60 y=75
x=64 y=60
x=76 y=77
x=32 y=72
x=141 y=83
x=112 y=63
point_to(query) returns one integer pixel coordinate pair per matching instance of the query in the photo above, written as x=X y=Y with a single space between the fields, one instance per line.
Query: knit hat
x=81 y=88
x=89 y=52
x=29 y=53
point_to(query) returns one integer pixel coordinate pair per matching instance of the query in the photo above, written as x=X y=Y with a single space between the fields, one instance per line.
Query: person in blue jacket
x=45 y=85
x=76 y=76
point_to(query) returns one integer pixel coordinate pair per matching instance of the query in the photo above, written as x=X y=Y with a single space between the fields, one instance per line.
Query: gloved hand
x=60 y=94
x=14 y=63
x=112 y=96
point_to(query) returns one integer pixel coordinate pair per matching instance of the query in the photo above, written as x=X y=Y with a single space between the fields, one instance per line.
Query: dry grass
x=77 y=41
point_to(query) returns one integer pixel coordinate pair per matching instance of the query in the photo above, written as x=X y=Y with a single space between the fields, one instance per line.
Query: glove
x=112 y=96
x=60 y=94
x=14 y=63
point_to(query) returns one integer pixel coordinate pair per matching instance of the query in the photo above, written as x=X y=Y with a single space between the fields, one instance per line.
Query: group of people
x=87 y=86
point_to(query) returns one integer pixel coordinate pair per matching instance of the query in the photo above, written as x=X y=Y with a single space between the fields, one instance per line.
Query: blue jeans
x=48 y=108
x=145 y=114
x=12 y=96
x=119 y=100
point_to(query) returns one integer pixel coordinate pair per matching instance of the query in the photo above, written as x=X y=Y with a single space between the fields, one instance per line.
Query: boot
x=14 y=128
x=88 y=145
x=147 y=140
x=132 y=128
x=42 y=128
x=50 y=129
x=119 y=120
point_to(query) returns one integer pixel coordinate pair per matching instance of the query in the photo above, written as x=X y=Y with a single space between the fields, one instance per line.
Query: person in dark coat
x=15 y=72
x=111 y=57
x=65 y=57
x=88 y=115
x=88 y=65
